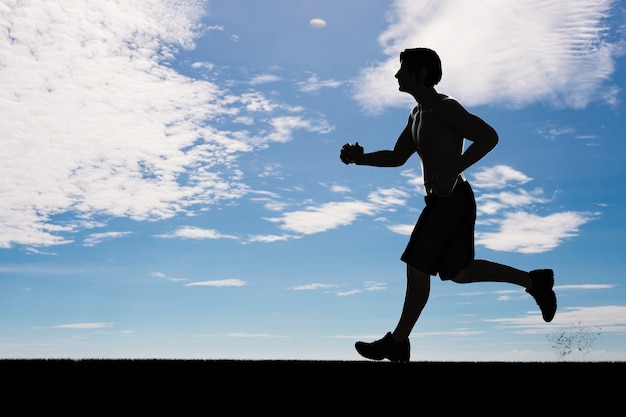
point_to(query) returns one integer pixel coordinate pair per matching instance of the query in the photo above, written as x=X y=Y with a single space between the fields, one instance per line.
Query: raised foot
x=543 y=293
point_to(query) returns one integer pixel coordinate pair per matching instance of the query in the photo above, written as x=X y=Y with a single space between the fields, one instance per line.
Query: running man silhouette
x=442 y=241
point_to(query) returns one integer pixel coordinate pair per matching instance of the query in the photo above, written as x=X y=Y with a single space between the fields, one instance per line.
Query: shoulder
x=448 y=102
x=449 y=107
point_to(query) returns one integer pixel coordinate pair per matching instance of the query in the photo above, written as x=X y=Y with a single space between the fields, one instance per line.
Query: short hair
x=416 y=58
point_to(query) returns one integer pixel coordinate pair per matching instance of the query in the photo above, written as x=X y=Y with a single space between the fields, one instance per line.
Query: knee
x=461 y=278
x=415 y=274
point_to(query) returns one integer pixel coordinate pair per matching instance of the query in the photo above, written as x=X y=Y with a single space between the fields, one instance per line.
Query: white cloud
x=314 y=84
x=83 y=326
x=586 y=287
x=190 y=232
x=97 y=124
x=162 y=275
x=312 y=286
x=203 y=65
x=415 y=180
x=347 y=293
x=270 y=238
x=498 y=176
x=335 y=188
x=323 y=217
x=96 y=238
x=218 y=283
x=285 y=125
x=552 y=132
x=327 y=216
x=317 y=23
x=503 y=224
x=384 y=197
x=611 y=318
x=255 y=101
x=530 y=233
x=514 y=52
x=491 y=203
x=254 y=335
x=402 y=229
x=264 y=78
x=375 y=286
x=506 y=226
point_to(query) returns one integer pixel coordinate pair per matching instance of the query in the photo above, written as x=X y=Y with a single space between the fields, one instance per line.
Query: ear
x=423 y=73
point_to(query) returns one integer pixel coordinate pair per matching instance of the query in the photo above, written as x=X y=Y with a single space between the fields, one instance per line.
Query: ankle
x=528 y=281
x=398 y=339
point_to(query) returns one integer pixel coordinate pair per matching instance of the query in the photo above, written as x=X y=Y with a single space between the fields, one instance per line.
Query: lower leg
x=538 y=283
x=487 y=271
x=416 y=296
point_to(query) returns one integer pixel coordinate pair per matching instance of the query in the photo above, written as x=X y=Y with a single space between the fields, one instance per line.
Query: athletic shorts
x=442 y=241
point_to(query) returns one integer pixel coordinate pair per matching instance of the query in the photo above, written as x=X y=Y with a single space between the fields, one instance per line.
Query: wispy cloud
x=585 y=287
x=504 y=225
x=314 y=84
x=217 y=283
x=349 y=292
x=498 y=176
x=271 y=238
x=492 y=203
x=264 y=78
x=368 y=286
x=96 y=238
x=336 y=188
x=610 y=318
x=164 y=276
x=530 y=233
x=553 y=132
x=312 y=286
x=375 y=286
x=316 y=219
x=197 y=233
x=118 y=131
x=254 y=335
x=327 y=216
x=284 y=126
x=513 y=52
x=401 y=229
x=35 y=251
x=83 y=326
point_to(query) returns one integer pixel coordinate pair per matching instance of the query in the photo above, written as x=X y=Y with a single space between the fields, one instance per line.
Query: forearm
x=385 y=158
x=474 y=153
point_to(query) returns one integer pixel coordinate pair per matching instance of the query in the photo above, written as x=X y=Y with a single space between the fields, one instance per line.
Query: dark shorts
x=443 y=239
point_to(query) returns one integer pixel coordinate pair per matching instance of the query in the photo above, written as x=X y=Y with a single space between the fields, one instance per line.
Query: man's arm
x=483 y=137
x=400 y=153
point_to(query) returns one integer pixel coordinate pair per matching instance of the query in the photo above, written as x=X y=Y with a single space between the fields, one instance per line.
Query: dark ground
x=294 y=388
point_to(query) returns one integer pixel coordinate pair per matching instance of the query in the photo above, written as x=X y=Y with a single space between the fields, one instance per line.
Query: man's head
x=416 y=58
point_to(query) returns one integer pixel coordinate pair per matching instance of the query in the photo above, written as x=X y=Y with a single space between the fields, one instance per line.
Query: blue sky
x=171 y=183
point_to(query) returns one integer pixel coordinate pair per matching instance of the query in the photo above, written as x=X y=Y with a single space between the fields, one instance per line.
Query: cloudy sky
x=171 y=183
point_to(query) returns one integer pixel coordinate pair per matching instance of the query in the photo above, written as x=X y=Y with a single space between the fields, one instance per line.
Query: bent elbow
x=493 y=140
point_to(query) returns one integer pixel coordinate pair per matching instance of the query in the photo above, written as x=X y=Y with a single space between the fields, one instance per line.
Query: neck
x=427 y=97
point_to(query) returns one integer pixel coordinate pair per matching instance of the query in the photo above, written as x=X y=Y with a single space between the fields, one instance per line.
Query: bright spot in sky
x=317 y=23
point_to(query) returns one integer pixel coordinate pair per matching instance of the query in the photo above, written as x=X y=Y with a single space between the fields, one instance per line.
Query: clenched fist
x=351 y=153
